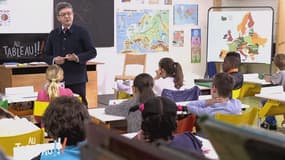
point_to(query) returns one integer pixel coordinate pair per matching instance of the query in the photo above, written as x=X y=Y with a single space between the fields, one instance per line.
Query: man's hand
x=59 y=60
x=72 y=57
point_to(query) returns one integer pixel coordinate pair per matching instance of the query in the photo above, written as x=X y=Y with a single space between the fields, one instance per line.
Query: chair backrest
x=186 y=124
x=40 y=108
x=134 y=59
x=8 y=143
x=247 y=118
x=236 y=93
x=182 y=95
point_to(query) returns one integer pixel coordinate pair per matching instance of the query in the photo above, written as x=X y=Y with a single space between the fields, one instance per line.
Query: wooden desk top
x=33 y=65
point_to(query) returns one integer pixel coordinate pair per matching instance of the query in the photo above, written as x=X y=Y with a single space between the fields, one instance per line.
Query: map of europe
x=247 y=43
x=143 y=31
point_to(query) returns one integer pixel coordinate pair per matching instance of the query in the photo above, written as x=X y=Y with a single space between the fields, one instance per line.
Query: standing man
x=70 y=46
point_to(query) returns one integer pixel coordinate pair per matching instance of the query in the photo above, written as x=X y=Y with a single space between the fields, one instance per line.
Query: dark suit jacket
x=76 y=40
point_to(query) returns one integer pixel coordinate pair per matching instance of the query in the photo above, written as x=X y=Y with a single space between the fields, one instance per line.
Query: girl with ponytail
x=54 y=75
x=168 y=76
x=142 y=91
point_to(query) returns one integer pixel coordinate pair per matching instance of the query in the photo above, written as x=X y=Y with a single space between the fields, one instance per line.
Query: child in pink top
x=53 y=88
x=54 y=75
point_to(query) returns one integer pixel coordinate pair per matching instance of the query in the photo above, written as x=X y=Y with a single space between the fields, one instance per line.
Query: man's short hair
x=224 y=83
x=61 y=5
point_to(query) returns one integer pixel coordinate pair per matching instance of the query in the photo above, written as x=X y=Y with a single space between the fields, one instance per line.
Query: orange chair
x=186 y=125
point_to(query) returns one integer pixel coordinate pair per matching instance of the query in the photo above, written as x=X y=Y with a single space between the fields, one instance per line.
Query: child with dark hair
x=64 y=118
x=276 y=79
x=220 y=103
x=168 y=76
x=159 y=123
x=231 y=64
x=142 y=91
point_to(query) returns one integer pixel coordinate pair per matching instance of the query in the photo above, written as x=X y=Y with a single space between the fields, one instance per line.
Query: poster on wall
x=22 y=16
x=142 y=31
x=248 y=32
x=195 y=45
x=178 y=39
x=185 y=14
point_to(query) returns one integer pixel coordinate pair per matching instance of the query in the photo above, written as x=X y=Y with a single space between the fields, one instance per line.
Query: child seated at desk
x=231 y=64
x=276 y=79
x=64 y=118
x=220 y=103
x=54 y=75
x=168 y=76
x=142 y=91
x=53 y=88
x=159 y=123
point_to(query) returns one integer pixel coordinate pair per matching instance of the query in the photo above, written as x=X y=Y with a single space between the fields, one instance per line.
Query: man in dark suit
x=70 y=46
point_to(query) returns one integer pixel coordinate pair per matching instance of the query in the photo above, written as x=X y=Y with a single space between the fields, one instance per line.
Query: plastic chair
x=186 y=124
x=236 y=93
x=8 y=143
x=247 y=118
x=40 y=108
x=182 y=95
x=132 y=59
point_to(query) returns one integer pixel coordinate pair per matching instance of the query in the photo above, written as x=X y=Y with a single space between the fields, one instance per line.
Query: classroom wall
x=280 y=43
x=113 y=61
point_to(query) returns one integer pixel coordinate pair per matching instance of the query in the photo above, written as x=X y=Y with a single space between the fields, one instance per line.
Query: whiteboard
x=26 y=16
x=247 y=31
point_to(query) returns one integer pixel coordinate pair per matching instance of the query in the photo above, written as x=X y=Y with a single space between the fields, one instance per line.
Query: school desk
x=275 y=103
x=34 y=75
x=99 y=116
x=252 y=85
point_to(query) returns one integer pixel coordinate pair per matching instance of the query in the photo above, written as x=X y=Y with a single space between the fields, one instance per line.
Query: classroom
x=142 y=79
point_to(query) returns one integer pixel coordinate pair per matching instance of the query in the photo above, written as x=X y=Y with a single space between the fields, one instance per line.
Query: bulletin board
x=246 y=30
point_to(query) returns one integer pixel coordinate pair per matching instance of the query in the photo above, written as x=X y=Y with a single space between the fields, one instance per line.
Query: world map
x=142 y=31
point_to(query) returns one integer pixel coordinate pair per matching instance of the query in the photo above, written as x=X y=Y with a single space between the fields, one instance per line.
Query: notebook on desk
x=235 y=143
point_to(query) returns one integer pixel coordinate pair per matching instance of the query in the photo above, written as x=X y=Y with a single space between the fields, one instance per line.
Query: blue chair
x=182 y=95
x=211 y=69
x=187 y=124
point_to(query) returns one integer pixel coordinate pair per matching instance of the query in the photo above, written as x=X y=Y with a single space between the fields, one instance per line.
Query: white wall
x=114 y=61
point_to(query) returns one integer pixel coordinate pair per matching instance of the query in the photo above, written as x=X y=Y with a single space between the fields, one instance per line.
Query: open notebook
x=244 y=143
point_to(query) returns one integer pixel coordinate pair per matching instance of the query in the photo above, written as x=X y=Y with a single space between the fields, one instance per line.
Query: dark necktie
x=65 y=30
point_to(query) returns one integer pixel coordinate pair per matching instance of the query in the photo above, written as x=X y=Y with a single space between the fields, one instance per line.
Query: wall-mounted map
x=185 y=14
x=246 y=32
x=143 y=31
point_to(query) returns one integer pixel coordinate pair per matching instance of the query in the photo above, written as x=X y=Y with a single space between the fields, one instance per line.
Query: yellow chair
x=40 y=108
x=236 y=93
x=247 y=118
x=8 y=143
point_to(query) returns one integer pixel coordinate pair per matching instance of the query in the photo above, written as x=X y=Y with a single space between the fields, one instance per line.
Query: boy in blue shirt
x=220 y=103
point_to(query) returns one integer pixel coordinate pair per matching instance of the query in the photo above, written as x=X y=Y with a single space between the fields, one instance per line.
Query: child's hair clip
x=141 y=107
x=179 y=107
